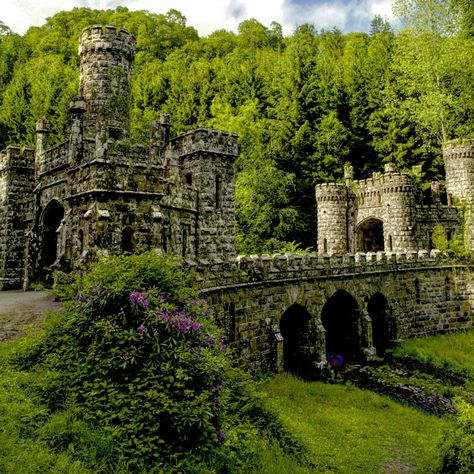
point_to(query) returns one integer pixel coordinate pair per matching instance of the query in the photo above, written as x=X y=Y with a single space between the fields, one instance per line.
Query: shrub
x=141 y=357
x=458 y=450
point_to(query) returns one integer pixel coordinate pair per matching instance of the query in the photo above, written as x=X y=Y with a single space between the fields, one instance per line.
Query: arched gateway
x=50 y=221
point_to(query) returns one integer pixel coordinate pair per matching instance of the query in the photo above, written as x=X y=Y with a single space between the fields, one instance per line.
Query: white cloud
x=209 y=15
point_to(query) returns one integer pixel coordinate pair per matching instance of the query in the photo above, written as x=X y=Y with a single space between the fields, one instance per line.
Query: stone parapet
x=245 y=270
x=205 y=140
x=99 y=38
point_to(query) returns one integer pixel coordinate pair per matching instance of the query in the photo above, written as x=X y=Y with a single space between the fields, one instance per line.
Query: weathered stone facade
x=385 y=213
x=289 y=311
x=98 y=194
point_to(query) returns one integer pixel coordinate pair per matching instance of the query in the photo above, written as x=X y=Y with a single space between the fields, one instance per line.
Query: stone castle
x=387 y=213
x=95 y=193
x=374 y=280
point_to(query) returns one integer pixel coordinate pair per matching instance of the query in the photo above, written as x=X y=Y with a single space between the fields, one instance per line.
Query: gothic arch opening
x=294 y=325
x=370 y=235
x=383 y=330
x=340 y=318
x=51 y=219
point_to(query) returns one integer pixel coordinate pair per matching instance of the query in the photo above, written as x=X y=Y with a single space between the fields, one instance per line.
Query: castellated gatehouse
x=374 y=280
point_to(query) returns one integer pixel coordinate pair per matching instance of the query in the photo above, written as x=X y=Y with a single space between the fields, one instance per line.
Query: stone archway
x=50 y=221
x=294 y=329
x=383 y=330
x=370 y=235
x=340 y=317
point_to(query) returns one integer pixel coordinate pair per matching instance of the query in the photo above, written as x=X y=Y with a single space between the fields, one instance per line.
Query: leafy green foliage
x=458 y=449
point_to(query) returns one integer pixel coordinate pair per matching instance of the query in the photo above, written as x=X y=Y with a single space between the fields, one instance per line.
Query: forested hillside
x=303 y=105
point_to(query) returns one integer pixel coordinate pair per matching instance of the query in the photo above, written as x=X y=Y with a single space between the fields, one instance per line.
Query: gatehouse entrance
x=370 y=235
x=50 y=222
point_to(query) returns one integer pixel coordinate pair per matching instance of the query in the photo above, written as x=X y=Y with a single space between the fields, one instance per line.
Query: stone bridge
x=287 y=312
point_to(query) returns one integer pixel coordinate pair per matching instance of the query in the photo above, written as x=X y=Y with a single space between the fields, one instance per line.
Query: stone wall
x=16 y=187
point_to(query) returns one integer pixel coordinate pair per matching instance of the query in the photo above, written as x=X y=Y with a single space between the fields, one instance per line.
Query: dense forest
x=302 y=105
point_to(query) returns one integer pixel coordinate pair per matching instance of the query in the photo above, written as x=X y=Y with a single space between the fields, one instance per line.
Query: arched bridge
x=287 y=312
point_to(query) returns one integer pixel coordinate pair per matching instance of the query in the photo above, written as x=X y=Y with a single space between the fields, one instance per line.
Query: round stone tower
x=459 y=163
x=106 y=55
x=399 y=213
x=332 y=203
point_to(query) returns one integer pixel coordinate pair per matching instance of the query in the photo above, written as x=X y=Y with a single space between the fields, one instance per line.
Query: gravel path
x=18 y=308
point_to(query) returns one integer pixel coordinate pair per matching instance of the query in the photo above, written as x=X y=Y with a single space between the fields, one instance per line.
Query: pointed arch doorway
x=50 y=221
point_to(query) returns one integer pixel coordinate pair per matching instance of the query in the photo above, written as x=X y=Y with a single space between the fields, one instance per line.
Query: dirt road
x=18 y=308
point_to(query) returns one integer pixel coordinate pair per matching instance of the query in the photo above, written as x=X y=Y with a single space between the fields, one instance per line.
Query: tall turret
x=459 y=164
x=106 y=56
x=399 y=217
x=334 y=232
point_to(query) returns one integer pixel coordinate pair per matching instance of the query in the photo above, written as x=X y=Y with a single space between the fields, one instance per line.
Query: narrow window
x=232 y=322
x=417 y=291
x=218 y=192
x=390 y=243
x=189 y=179
x=325 y=246
x=81 y=241
x=447 y=289
x=184 y=241
x=449 y=234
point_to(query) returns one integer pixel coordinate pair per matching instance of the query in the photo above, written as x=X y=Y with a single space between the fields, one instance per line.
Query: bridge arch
x=370 y=235
x=383 y=326
x=341 y=320
x=294 y=329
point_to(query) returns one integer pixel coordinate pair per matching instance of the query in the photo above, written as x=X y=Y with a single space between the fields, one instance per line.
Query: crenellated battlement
x=16 y=157
x=331 y=192
x=299 y=267
x=205 y=139
x=100 y=38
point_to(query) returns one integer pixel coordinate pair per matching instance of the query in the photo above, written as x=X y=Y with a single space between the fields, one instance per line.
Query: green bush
x=141 y=357
x=458 y=450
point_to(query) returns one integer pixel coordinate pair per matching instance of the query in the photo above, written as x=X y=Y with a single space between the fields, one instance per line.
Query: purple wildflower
x=81 y=298
x=221 y=435
x=95 y=290
x=210 y=341
x=215 y=399
x=137 y=299
x=218 y=384
x=223 y=344
x=105 y=294
x=142 y=329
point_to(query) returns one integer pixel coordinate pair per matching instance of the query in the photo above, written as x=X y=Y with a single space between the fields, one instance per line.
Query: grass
x=452 y=352
x=348 y=430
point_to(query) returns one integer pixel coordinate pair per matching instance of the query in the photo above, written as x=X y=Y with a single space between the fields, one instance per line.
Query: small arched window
x=390 y=243
x=325 y=246
x=81 y=241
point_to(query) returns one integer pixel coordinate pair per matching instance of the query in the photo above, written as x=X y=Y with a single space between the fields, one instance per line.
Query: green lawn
x=348 y=430
x=454 y=352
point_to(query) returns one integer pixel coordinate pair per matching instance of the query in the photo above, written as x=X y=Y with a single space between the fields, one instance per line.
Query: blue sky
x=209 y=15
